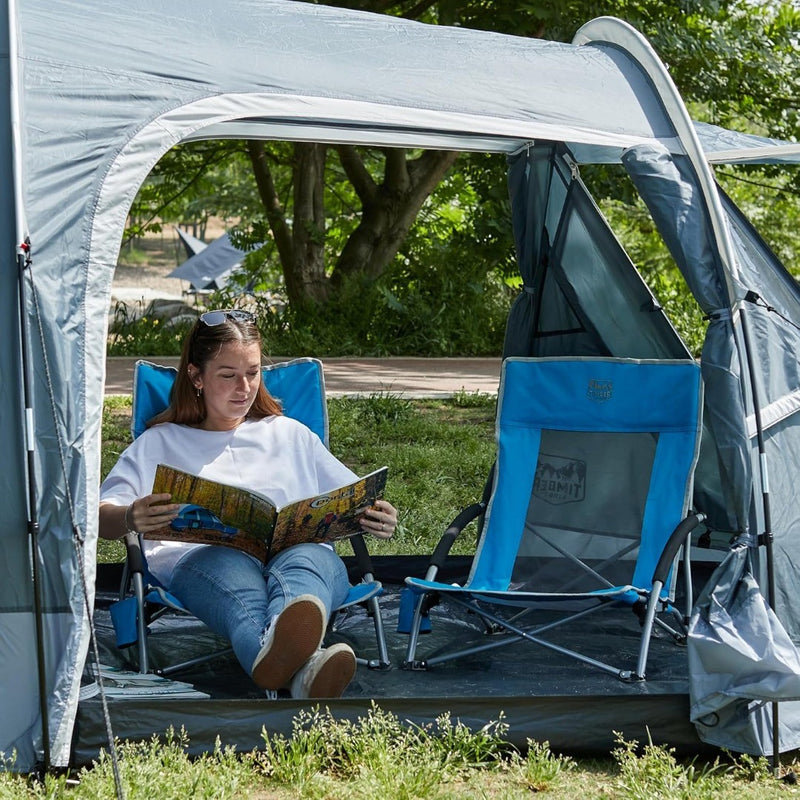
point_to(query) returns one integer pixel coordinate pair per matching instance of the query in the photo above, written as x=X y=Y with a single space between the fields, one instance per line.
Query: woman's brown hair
x=202 y=344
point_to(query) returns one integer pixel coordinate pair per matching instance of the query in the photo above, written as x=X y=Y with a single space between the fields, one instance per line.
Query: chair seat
x=514 y=597
x=362 y=592
x=124 y=612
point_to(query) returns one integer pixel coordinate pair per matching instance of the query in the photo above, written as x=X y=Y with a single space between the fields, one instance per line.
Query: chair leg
x=413 y=636
x=647 y=630
x=193 y=662
x=141 y=624
x=382 y=661
x=383 y=651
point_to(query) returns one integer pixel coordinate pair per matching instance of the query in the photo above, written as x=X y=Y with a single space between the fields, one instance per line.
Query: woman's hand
x=150 y=512
x=380 y=520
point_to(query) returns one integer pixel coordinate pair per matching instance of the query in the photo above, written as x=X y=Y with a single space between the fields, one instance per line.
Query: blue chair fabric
x=591 y=496
x=299 y=385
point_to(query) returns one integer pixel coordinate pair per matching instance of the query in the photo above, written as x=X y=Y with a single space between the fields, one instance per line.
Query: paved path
x=406 y=377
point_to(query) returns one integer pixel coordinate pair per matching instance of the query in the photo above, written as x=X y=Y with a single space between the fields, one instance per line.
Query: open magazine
x=216 y=513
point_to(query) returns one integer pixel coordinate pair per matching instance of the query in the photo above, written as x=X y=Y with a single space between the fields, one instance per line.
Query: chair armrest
x=363 y=558
x=676 y=539
x=453 y=530
x=133 y=549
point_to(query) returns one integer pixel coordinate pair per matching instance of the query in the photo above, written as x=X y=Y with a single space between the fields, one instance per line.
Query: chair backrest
x=594 y=470
x=299 y=385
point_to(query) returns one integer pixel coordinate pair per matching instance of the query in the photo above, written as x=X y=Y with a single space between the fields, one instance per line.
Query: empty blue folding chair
x=299 y=386
x=589 y=506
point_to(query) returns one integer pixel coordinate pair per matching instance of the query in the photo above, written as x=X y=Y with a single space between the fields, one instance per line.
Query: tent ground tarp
x=539 y=694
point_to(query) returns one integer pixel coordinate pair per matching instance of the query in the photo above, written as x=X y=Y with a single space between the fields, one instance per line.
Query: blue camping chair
x=588 y=507
x=300 y=387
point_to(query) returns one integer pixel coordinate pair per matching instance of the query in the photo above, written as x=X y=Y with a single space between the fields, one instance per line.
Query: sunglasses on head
x=212 y=318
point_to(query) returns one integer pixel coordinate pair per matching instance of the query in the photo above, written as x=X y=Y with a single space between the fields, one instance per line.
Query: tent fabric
x=583 y=295
x=191 y=244
x=740 y=657
x=211 y=267
x=669 y=188
x=96 y=98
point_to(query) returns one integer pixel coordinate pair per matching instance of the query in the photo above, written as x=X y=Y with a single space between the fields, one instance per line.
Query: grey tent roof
x=190 y=243
x=99 y=92
x=211 y=267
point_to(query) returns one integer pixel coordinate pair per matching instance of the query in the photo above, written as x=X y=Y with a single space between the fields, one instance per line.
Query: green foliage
x=130 y=334
x=768 y=197
x=165 y=763
x=190 y=184
x=430 y=313
x=116 y=436
x=159 y=767
x=635 y=229
x=439 y=454
x=542 y=768
x=377 y=755
x=656 y=773
x=464 y=399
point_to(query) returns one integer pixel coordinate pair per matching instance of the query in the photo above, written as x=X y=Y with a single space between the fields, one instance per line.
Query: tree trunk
x=388 y=212
x=388 y=209
x=300 y=245
x=309 y=282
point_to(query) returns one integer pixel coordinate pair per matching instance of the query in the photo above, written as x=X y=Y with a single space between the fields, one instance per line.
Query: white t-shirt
x=276 y=456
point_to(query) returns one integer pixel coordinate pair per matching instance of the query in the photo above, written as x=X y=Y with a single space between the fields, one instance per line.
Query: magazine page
x=330 y=516
x=215 y=514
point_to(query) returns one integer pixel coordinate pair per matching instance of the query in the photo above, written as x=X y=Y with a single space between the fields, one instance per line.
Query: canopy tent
x=85 y=124
x=211 y=267
x=191 y=244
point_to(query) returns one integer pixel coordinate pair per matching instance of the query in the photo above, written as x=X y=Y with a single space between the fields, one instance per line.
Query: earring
x=199 y=391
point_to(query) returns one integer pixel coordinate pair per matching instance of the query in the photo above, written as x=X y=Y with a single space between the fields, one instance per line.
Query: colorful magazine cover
x=216 y=513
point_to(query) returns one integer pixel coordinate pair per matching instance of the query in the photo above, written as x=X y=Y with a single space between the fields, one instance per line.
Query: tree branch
x=396 y=174
x=210 y=160
x=416 y=11
x=429 y=168
x=356 y=172
x=271 y=202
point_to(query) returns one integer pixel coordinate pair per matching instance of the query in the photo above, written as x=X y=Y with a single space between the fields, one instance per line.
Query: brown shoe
x=291 y=640
x=326 y=673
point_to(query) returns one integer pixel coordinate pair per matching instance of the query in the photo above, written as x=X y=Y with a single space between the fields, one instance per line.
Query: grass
x=439 y=452
x=379 y=756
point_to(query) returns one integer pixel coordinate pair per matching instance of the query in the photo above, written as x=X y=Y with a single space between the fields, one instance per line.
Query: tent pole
x=766 y=538
x=23 y=261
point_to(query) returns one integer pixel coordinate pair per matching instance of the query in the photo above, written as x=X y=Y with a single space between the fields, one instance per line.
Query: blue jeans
x=237 y=596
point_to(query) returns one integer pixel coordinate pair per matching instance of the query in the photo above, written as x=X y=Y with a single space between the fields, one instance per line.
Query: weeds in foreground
x=378 y=755
x=656 y=773
x=159 y=767
x=542 y=768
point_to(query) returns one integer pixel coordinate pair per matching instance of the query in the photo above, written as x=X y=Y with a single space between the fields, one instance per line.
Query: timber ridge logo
x=559 y=480
x=599 y=390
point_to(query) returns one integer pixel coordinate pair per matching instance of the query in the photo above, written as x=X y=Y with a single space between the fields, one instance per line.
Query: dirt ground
x=141 y=272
